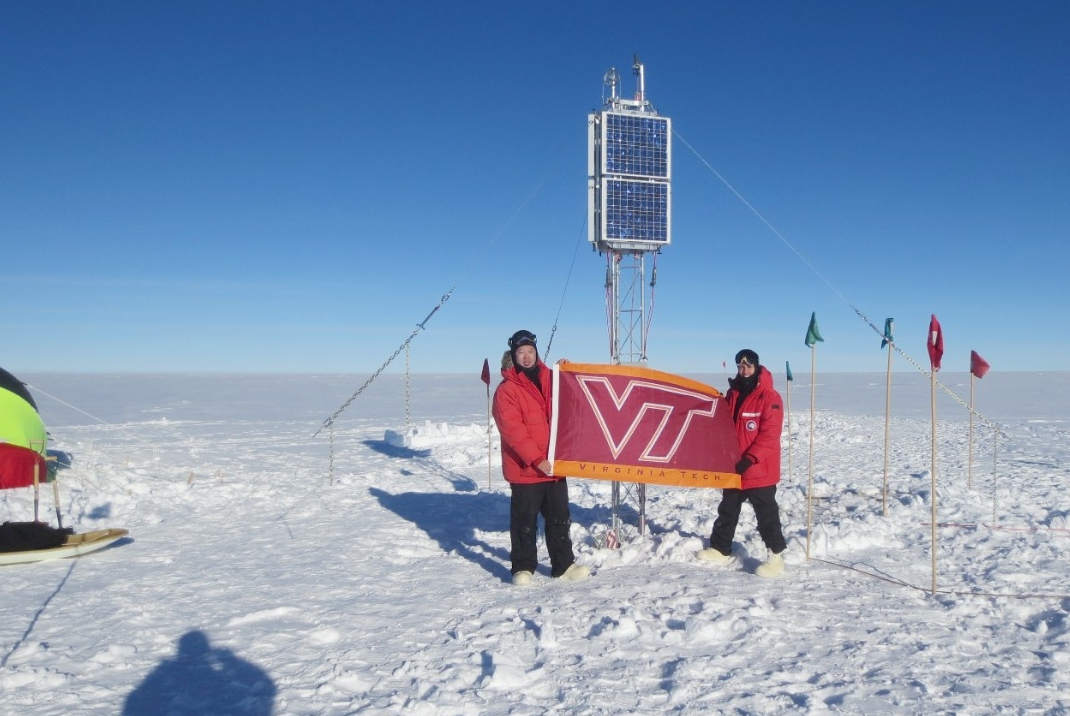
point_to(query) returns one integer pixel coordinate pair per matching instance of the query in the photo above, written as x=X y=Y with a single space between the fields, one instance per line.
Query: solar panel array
x=631 y=187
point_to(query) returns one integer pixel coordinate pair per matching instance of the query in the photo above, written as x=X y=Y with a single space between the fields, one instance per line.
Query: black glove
x=743 y=464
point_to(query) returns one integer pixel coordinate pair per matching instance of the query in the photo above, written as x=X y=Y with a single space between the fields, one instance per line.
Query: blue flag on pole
x=887 y=332
x=813 y=335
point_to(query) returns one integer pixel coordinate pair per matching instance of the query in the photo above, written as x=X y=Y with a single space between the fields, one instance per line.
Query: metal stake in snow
x=419 y=327
x=329 y=422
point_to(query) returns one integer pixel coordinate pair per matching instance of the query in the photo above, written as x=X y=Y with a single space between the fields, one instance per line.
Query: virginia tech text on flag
x=635 y=424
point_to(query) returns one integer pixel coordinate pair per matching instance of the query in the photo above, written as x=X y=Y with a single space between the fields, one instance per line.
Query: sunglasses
x=743 y=361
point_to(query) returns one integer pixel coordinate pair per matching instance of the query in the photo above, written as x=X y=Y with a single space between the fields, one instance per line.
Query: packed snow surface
x=364 y=569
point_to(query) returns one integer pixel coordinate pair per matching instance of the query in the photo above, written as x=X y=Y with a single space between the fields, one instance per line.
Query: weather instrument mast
x=629 y=182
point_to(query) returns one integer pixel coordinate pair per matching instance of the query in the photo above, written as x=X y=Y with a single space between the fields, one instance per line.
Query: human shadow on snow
x=455 y=521
x=202 y=679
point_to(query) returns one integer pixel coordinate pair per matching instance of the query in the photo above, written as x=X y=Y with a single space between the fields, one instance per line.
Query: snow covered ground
x=261 y=578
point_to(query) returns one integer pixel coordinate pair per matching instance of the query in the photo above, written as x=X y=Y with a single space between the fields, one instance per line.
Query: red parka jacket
x=758 y=426
x=522 y=414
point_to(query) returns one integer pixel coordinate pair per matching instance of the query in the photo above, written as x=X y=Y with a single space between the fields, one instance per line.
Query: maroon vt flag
x=978 y=365
x=486 y=372
x=636 y=424
x=936 y=343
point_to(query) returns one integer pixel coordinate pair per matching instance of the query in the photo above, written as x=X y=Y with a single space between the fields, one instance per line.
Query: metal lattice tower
x=629 y=203
x=626 y=293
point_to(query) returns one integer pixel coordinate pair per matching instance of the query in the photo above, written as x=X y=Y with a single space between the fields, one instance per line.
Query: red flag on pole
x=978 y=365
x=486 y=372
x=936 y=343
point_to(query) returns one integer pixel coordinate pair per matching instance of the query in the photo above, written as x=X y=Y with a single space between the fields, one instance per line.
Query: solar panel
x=630 y=167
x=636 y=145
x=635 y=210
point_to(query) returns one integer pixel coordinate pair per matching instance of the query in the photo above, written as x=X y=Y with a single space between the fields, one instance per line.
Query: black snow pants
x=766 y=511
x=549 y=499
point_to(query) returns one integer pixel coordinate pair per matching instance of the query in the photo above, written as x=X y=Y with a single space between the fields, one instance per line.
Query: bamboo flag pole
x=936 y=352
x=813 y=336
x=36 y=490
x=995 y=438
x=810 y=462
x=55 y=498
x=969 y=441
x=932 y=473
x=978 y=367
x=37 y=447
x=787 y=392
x=888 y=341
x=485 y=377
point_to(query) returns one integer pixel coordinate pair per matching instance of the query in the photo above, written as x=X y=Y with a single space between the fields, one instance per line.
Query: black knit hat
x=521 y=338
x=747 y=356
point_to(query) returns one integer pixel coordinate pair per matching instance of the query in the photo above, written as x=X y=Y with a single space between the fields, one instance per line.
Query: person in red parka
x=522 y=407
x=758 y=415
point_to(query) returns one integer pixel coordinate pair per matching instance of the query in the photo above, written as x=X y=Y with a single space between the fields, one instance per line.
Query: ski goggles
x=521 y=338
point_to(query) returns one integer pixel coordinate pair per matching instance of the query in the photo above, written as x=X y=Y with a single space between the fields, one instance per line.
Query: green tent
x=22 y=435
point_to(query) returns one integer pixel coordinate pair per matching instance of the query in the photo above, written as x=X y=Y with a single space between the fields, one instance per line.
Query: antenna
x=612 y=79
x=637 y=70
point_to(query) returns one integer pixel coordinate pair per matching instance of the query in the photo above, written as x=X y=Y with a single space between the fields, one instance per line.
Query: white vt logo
x=675 y=413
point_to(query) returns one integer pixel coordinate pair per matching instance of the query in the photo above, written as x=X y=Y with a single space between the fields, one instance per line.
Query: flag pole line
x=922 y=369
x=952 y=592
x=1002 y=528
x=892 y=345
x=124 y=431
x=817 y=273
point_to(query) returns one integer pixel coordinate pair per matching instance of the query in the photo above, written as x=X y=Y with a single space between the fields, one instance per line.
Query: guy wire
x=423 y=324
x=828 y=283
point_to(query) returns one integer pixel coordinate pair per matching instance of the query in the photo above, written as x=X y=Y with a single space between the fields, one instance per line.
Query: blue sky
x=292 y=187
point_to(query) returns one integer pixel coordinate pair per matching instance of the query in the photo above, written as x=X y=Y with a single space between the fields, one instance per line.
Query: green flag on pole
x=787 y=365
x=887 y=332
x=813 y=335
